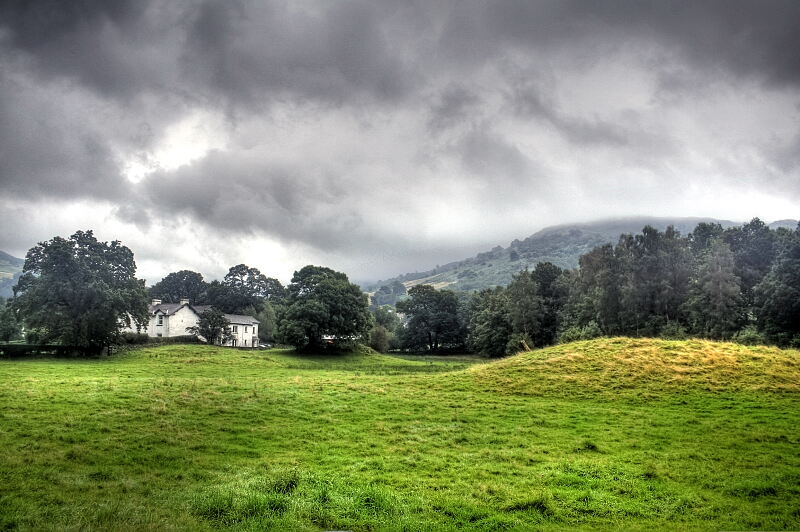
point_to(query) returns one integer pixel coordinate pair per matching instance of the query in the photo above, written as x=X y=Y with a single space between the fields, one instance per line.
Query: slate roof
x=238 y=319
x=169 y=309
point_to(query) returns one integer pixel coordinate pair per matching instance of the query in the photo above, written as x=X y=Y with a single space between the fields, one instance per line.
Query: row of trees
x=717 y=283
x=82 y=292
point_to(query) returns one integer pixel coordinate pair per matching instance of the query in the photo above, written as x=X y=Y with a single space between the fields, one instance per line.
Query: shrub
x=133 y=338
x=379 y=339
x=749 y=336
x=673 y=331
x=587 y=332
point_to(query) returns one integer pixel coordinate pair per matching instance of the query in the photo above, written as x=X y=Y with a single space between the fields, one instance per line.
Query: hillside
x=606 y=434
x=562 y=245
x=10 y=267
x=619 y=366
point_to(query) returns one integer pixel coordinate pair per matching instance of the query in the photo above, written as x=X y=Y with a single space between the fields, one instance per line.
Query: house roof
x=238 y=319
x=169 y=309
x=166 y=308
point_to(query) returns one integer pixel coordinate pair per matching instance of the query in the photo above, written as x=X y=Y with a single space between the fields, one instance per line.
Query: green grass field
x=612 y=433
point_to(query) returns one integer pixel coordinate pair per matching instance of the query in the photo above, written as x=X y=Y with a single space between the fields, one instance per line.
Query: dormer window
x=160 y=319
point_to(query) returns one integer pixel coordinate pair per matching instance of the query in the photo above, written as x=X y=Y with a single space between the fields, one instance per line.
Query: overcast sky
x=385 y=137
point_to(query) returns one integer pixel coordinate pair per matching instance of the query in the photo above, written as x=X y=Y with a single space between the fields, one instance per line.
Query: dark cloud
x=339 y=126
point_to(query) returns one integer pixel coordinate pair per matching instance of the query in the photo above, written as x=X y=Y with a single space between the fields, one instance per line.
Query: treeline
x=739 y=283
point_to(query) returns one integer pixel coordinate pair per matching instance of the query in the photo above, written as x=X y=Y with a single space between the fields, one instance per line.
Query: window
x=235 y=328
x=160 y=320
x=245 y=328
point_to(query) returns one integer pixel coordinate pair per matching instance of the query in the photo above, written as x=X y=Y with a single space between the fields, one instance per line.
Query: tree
x=9 y=325
x=778 y=295
x=244 y=288
x=379 y=338
x=715 y=301
x=489 y=322
x=433 y=319
x=213 y=327
x=184 y=284
x=754 y=250
x=79 y=291
x=322 y=302
x=525 y=311
x=554 y=294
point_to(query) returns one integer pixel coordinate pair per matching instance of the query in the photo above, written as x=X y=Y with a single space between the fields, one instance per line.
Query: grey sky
x=383 y=137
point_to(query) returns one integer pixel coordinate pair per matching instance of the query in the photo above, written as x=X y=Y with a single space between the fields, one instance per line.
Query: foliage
x=388 y=294
x=212 y=326
x=778 y=294
x=380 y=338
x=489 y=322
x=268 y=321
x=433 y=320
x=244 y=288
x=322 y=303
x=750 y=335
x=176 y=286
x=9 y=325
x=585 y=332
x=79 y=291
x=715 y=301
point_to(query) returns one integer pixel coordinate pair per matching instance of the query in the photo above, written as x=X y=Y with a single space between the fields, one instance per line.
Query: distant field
x=595 y=435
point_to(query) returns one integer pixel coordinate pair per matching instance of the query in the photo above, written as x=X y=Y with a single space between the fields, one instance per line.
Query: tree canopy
x=322 y=303
x=80 y=291
x=212 y=326
x=184 y=284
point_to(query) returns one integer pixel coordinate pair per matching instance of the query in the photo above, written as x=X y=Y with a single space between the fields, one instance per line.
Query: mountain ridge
x=561 y=244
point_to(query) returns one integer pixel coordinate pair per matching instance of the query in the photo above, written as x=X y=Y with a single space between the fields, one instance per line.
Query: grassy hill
x=603 y=434
x=562 y=245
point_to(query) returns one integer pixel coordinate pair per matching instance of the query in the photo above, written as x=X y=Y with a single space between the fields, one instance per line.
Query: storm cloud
x=382 y=137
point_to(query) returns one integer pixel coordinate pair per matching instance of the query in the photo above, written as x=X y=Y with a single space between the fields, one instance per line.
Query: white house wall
x=176 y=324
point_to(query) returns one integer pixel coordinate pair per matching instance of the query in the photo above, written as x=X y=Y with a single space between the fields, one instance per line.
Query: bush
x=673 y=331
x=749 y=336
x=133 y=338
x=587 y=332
x=379 y=339
x=128 y=338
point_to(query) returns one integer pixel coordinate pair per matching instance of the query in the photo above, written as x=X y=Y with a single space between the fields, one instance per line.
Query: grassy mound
x=643 y=366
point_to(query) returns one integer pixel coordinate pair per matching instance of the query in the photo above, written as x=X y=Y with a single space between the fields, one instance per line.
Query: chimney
x=155 y=302
x=184 y=301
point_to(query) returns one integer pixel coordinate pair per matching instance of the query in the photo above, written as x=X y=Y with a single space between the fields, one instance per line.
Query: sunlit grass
x=600 y=434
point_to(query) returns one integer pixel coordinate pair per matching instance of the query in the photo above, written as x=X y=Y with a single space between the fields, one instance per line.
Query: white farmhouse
x=172 y=319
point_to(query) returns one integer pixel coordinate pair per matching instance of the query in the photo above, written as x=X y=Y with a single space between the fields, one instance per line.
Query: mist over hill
x=10 y=268
x=560 y=244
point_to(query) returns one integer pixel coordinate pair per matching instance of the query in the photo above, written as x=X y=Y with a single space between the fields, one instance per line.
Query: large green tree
x=244 y=289
x=322 y=303
x=778 y=295
x=9 y=325
x=80 y=291
x=184 y=284
x=715 y=301
x=433 y=319
x=489 y=328
x=213 y=327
